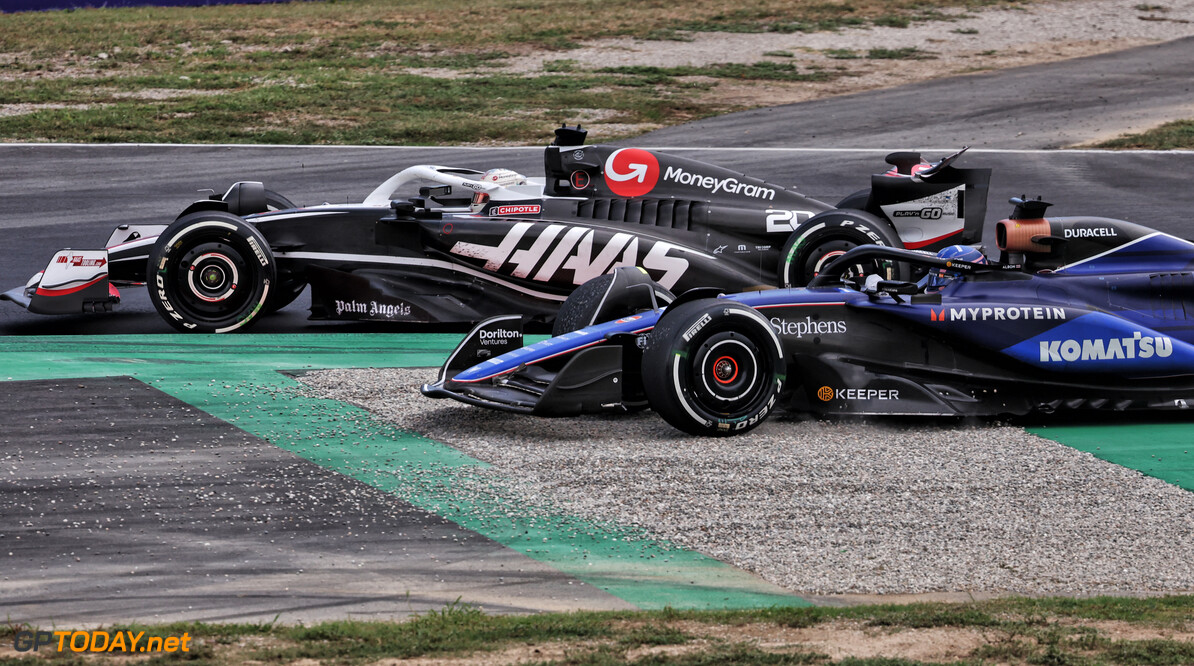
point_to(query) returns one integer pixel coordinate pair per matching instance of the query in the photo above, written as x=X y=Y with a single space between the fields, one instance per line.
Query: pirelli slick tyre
x=856 y=200
x=826 y=236
x=582 y=305
x=275 y=201
x=713 y=367
x=211 y=272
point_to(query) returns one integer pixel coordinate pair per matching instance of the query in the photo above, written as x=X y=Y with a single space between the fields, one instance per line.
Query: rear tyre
x=826 y=236
x=211 y=272
x=286 y=290
x=275 y=201
x=713 y=367
x=856 y=200
x=582 y=305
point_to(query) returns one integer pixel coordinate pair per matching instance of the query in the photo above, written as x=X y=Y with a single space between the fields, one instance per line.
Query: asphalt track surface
x=141 y=478
x=205 y=484
x=133 y=505
x=1052 y=105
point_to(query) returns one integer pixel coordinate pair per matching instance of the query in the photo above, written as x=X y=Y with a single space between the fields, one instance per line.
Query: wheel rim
x=728 y=370
x=725 y=370
x=211 y=273
x=213 y=277
x=822 y=255
x=825 y=260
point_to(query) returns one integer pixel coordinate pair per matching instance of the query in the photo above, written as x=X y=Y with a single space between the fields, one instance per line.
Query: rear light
x=479 y=201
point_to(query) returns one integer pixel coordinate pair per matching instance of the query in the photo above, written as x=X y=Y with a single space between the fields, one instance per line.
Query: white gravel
x=887 y=507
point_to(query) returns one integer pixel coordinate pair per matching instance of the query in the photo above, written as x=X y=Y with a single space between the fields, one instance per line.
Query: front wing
x=578 y=373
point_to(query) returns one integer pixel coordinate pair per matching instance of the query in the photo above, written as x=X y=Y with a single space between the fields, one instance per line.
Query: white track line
x=1023 y=151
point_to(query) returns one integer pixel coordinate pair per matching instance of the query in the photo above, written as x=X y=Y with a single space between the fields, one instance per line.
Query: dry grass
x=360 y=71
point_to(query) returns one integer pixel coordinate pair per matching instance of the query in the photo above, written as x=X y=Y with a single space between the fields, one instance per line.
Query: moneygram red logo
x=631 y=172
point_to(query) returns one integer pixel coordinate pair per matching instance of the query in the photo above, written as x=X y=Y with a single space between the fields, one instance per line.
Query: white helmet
x=504 y=177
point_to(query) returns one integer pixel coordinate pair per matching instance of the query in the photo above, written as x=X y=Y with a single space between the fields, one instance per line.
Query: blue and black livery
x=1079 y=313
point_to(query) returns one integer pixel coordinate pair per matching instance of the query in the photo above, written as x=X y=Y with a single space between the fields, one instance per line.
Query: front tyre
x=827 y=236
x=211 y=272
x=592 y=299
x=713 y=367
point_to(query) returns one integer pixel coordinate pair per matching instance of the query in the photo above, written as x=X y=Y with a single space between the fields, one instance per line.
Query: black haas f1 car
x=473 y=244
x=1079 y=313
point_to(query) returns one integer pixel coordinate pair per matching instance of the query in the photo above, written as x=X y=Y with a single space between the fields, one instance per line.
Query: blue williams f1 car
x=1078 y=313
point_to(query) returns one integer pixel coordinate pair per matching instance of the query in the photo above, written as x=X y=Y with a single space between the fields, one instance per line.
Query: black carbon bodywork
x=417 y=263
x=475 y=244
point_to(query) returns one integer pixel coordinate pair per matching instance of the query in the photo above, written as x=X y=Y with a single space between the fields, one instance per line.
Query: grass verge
x=1106 y=630
x=378 y=72
x=1177 y=135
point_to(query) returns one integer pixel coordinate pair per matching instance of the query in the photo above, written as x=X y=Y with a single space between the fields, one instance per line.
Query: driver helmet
x=504 y=177
x=968 y=253
x=501 y=177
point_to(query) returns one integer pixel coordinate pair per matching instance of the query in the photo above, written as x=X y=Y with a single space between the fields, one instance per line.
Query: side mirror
x=894 y=288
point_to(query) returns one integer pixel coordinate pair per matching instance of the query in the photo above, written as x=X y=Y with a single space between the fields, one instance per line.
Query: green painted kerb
x=1163 y=450
x=236 y=378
